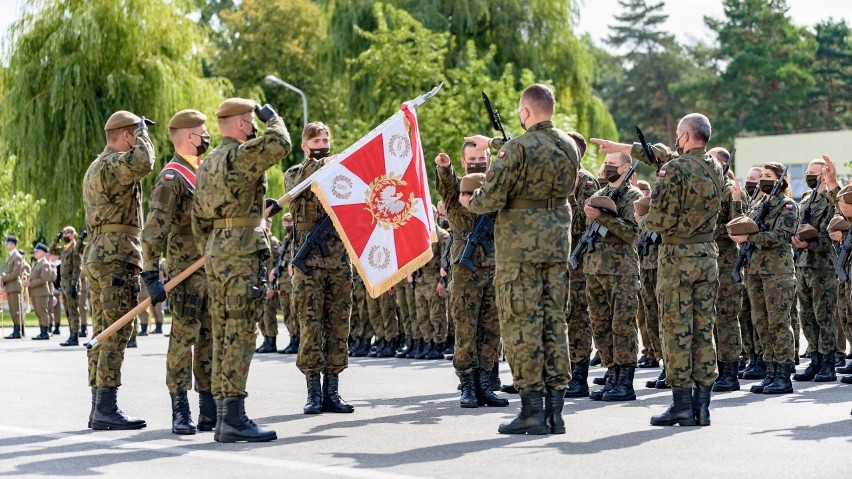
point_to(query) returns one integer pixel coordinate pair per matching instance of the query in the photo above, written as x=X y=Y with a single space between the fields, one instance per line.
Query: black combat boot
x=405 y=349
x=611 y=376
x=767 y=380
x=578 y=387
x=143 y=331
x=728 y=379
x=376 y=347
x=652 y=383
x=845 y=369
x=600 y=381
x=83 y=332
x=781 y=384
x=553 y=402
x=484 y=394
x=846 y=379
x=331 y=400
x=826 y=373
x=55 y=329
x=437 y=351
x=107 y=414
x=758 y=369
x=467 y=399
x=131 y=343
x=813 y=368
x=361 y=352
x=269 y=345
x=293 y=346
x=181 y=415
x=494 y=377
x=623 y=390
x=701 y=403
x=237 y=427
x=16 y=332
x=596 y=360
x=425 y=349
x=92 y=411
x=314 y=403
x=71 y=341
x=679 y=411
x=416 y=348
x=44 y=333
x=508 y=389
x=388 y=351
x=449 y=348
x=220 y=415
x=158 y=328
x=206 y=411
x=530 y=419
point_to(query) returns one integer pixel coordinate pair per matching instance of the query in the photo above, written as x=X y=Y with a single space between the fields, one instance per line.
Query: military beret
x=471 y=181
x=69 y=229
x=187 y=119
x=603 y=203
x=742 y=225
x=121 y=119
x=642 y=205
x=12 y=239
x=838 y=223
x=845 y=195
x=235 y=106
x=807 y=232
x=287 y=217
x=41 y=247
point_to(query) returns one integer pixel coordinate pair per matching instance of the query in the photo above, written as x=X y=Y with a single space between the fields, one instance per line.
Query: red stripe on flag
x=410 y=242
x=359 y=224
x=368 y=162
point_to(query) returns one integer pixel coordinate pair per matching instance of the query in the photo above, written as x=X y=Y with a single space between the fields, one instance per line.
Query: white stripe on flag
x=379 y=257
x=343 y=187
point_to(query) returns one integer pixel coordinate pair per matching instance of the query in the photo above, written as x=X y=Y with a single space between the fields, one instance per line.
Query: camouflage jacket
x=232 y=183
x=729 y=209
x=71 y=255
x=284 y=252
x=775 y=253
x=819 y=253
x=170 y=216
x=615 y=253
x=648 y=261
x=430 y=273
x=112 y=194
x=685 y=205
x=272 y=261
x=12 y=273
x=307 y=211
x=461 y=220
x=541 y=164
x=586 y=188
x=41 y=279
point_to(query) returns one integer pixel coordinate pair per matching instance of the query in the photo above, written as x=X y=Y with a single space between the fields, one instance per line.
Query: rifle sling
x=717 y=180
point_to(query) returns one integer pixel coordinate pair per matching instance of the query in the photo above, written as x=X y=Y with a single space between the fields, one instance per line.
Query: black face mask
x=205 y=143
x=611 y=173
x=480 y=167
x=812 y=181
x=750 y=186
x=601 y=181
x=252 y=134
x=766 y=186
x=443 y=223
x=66 y=239
x=319 y=153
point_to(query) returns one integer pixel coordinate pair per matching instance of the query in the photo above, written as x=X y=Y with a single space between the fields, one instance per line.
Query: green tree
x=830 y=99
x=73 y=63
x=19 y=211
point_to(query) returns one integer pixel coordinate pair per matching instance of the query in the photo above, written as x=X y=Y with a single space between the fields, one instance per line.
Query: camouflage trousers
x=359 y=319
x=323 y=320
x=405 y=315
x=843 y=316
x=648 y=304
x=41 y=307
x=236 y=305
x=686 y=294
x=113 y=288
x=531 y=301
x=817 y=293
x=56 y=309
x=72 y=308
x=83 y=302
x=772 y=297
x=191 y=337
x=382 y=311
x=613 y=302
x=729 y=302
x=269 y=323
x=411 y=299
x=473 y=309
x=749 y=335
x=431 y=309
x=579 y=330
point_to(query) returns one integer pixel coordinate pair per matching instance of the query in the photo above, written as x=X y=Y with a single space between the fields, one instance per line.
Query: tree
x=72 y=64
x=19 y=211
x=830 y=99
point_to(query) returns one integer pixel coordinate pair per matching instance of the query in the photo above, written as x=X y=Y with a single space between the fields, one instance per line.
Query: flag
x=377 y=194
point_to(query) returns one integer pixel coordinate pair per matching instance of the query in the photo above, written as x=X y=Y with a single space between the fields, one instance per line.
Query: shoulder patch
x=169 y=176
x=789 y=207
x=661 y=173
x=490 y=175
x=501 y=154
x=590 y=183
x=655 y=192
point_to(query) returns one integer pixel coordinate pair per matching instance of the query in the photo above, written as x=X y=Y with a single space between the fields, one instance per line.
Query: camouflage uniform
x=170 y=221
x=112 y=260
x=83 y=298
x=729 y=296
x=579 y=325
x=650 y=322
x=612 y=283
x=685 y=205
x=285 y=288
x=322 y=310
x=360 y=317
x=227 y=223
x=69 y=277
x=529 y=183
x=382 y=312
x=431 y=308
x=269 y=324
x=405 y=316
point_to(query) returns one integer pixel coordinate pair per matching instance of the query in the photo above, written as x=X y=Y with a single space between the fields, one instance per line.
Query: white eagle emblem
x=386 y=202
x=390 y=201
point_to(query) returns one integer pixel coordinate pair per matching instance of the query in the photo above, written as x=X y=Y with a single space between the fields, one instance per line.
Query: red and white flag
x=377 y=194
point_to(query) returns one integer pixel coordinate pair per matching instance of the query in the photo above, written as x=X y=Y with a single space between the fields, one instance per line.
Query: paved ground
x=407 y=423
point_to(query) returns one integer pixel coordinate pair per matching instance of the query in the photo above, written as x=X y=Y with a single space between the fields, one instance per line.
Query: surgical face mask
x=479 y=167
x=611 y=173
x=66 y=239
x=251 y=134
x=319 y=153
x=205 y=143
x=750 y=186
x=766 y=186
x=812 y=181
x=679 y=148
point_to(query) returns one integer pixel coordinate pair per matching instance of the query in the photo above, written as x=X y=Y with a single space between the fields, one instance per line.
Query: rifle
x=317 y=236
x=481 y=235
x=494 y=116
x=806 y=218
x=646 y=240
x=843 y=255
x=728 y=165
x=281 y=264
x=647 y=150
x=446 y=263
x=597 y=230
x=746 y=251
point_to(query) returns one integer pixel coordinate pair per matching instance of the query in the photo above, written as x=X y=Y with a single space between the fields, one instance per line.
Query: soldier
x=816 y=281
x=227 y=223
x=83 y=298
x=269 y=322
x=382 y=312
x=362 y=330
x=756 y=367
x=612 y=281
x=56 y=301
x=838 y=230
x=729 y=296
x=322 y=310
x=684 y=206
x=285 y=286
x=405 y=318
x=112 y=197
x=71 y=255
x=528 y=184
x=771 y=280
x=10 y=283
x=473 y=306
x=40 y=286
x=431 y=309
x=648 y=300
x=169 y=221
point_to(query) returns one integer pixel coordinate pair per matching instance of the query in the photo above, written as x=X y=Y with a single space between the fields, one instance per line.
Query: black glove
x=276 y=208
x=73 y=291
x=265 y=113
x=84 y=235
x=154 y=286
x=58 y=236
x=144 y=123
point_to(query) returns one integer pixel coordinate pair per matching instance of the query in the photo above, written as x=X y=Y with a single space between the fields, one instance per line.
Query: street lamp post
x=272 y=80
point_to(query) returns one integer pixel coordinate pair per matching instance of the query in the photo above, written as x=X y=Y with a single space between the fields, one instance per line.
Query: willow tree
x=71 y=63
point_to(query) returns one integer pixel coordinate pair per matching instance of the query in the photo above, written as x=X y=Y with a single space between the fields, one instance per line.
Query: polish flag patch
x=169 y=176
x=789 y=207
x=501 y=154
x=661 y=173
x=589 y=183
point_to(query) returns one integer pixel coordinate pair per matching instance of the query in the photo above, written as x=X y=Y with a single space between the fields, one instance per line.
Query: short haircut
x=113 y=135
x=624 y=157
x=721 y=154
x=696 y=125
x=470 y=144
x=580 y=141
x=778 y=169
x=313 y=130
x=643 y=185
x=818 y=161
x=539 y=98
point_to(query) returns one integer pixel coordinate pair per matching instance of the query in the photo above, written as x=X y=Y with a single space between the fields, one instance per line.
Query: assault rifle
x=494 y=116
x=646 y=240
x=647 y=150
x=746 y=252
x=597 y=230
x=482 y=235
x=806 y=218
x=446 y=264
x=843 y=255
x=317 y=236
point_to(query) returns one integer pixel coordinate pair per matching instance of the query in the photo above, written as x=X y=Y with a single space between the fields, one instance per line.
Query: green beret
x=845 y=195
x=121 y=119
x=187 y=119
x=235 y=106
